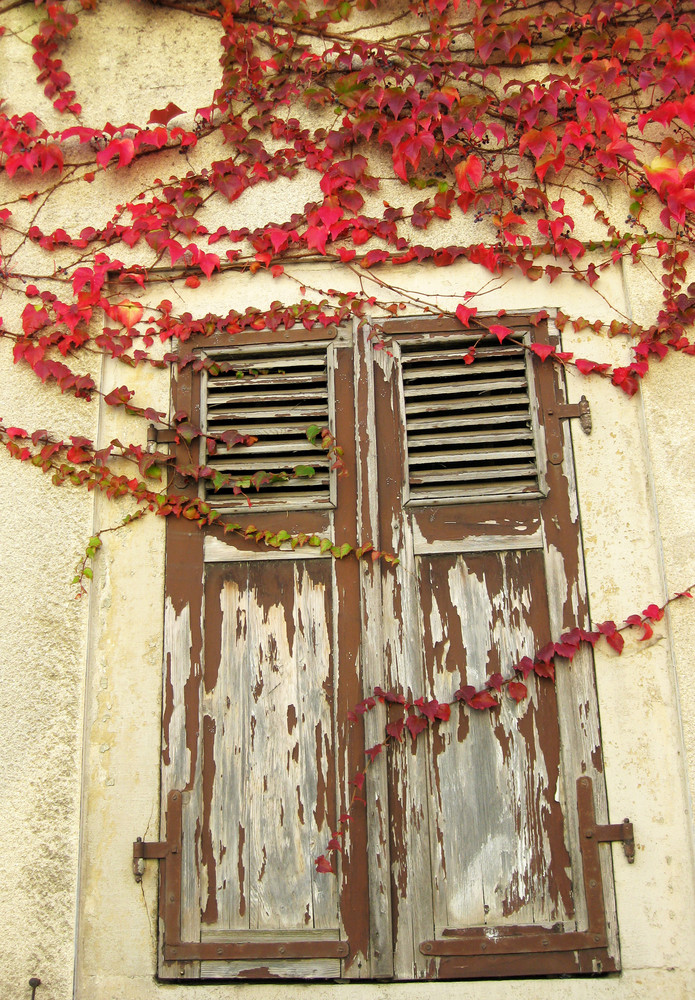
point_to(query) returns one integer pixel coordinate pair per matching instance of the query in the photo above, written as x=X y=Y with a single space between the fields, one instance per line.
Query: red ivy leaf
x=517 y=690
x=395 y=729
x=524 y=666
x=500 y=331
x=654 y=612
x=616 y=641
x=416 y=724
x=464 y=314
x=164 y=116
x=465 y=693
x=545 y=669
x=389 y=696
x=542 y=350
x=483 y=699
x=323 y=866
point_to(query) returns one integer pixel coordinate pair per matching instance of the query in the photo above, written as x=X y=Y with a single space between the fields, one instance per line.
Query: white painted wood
x=230 y=703
x=307 y=968
x=215 y=550
x=489 y=848
x=182 y=668
x=480 y=543
x=269 y=814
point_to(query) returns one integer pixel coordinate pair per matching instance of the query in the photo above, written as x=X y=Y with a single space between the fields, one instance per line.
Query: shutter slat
x=278 y=394
x=470 y=457
x=472 y=491
x=295 y=413
x=498 y=417
x=467 y=475
x=244 y=466
x=231 y=383
x=468 y=427
x=472 y=372
x=493 y=403
x=261 y=394
x=432 y=439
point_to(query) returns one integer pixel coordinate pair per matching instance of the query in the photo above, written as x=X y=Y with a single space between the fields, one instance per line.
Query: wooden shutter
x=467 y=859
x=487 y=876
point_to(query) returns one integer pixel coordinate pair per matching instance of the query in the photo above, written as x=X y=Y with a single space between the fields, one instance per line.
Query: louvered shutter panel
x=468 y=425
x=273 y=394
x=261 y=644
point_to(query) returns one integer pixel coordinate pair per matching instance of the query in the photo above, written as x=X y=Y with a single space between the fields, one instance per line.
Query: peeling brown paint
x=192 y=704
x=209 y=914
x=291 y=718
x=167 y=711
x=258 y=687
x=320 y=808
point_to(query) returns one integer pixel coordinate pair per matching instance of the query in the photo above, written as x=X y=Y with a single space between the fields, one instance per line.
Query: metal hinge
x=567 y=411
x=160 y=435
x=609 y=832
x=553 y=429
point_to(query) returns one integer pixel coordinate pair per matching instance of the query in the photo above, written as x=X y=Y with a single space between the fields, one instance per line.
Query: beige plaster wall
x=80 y=697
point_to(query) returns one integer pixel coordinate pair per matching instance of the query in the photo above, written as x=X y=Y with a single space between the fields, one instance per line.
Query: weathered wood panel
x=269 y=626
x=411 y=872
x=496 y=835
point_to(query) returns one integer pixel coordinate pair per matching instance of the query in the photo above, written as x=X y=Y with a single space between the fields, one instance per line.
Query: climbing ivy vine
x=523 y=124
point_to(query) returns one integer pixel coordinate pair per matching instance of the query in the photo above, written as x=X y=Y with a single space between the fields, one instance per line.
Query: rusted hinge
x=160 y=435
x=144 y=852
x=568 y=411
x=609 y=832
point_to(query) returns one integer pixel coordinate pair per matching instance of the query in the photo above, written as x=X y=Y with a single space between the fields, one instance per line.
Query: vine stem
x=419 y=715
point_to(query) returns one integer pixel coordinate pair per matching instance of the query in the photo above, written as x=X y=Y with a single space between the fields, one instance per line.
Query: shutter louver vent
x=469 y=426
x=274 y=394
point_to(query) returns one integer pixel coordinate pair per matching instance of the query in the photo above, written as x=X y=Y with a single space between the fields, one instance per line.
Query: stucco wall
x=80 y=699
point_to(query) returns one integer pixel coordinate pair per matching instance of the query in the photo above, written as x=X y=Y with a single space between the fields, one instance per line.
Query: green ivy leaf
x=304 y=471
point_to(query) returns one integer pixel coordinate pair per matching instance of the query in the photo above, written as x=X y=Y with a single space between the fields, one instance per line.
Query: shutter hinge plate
x=568 y=411
x=610 y=832
x=160 y=435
